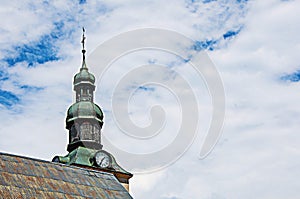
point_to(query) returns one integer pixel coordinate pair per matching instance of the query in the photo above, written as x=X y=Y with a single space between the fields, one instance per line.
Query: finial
x=83 y=50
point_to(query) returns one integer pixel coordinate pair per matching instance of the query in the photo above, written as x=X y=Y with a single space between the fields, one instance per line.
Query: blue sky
x=253 y=44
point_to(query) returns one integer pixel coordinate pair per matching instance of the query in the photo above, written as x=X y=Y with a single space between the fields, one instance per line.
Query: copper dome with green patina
x=84 y=110
x=84 y=76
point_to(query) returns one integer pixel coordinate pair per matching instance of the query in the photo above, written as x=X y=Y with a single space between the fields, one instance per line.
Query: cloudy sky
x=254 y=46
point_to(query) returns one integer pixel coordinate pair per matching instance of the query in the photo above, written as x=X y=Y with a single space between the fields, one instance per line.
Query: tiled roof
x=22 y=177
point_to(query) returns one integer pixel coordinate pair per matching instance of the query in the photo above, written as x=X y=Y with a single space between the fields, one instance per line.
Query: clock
x=102 y=159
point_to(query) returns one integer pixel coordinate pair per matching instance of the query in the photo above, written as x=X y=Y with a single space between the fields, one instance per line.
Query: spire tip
x=83 y=50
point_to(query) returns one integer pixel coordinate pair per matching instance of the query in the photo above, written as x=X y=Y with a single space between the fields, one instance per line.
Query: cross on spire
x=83 y=50
x=83 y=37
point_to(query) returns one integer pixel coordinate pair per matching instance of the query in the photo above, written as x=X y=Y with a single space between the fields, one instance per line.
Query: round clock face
x=102 y=159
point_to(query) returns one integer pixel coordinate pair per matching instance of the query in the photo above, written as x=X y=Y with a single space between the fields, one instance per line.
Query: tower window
x=74 y=133
x=86 y=131
x=97 y=133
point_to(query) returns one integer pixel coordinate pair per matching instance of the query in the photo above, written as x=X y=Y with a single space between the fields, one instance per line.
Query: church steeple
x=84 y=81
x=85 y=118
x=84 y=123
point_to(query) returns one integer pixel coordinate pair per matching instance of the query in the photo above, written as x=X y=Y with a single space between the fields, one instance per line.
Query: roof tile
x=22 y=177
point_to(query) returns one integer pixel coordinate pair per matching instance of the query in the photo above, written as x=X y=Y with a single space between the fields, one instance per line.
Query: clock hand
x=102 y=160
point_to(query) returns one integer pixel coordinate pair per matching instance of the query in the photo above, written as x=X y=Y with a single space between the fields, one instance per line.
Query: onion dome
x=84 y=76
x=84 y=110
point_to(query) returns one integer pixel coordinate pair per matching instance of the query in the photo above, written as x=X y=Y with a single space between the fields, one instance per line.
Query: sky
x=254 y=46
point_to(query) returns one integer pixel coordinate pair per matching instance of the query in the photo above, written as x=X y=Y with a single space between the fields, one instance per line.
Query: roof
x=84 y=76
x=85 y=157
x=23 y=177
x=84 y=110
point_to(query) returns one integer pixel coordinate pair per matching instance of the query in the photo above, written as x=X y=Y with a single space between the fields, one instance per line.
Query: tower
x=84 y=122
x=84 y=118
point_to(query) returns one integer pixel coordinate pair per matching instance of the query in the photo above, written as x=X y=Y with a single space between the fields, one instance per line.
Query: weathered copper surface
x=22 y=177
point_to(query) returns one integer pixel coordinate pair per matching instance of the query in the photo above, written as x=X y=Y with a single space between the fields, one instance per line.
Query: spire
x=84 y=80
x=83 y=50
x=84 y=122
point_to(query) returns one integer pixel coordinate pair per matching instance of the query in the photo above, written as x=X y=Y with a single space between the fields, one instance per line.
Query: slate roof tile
x=22 y=177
